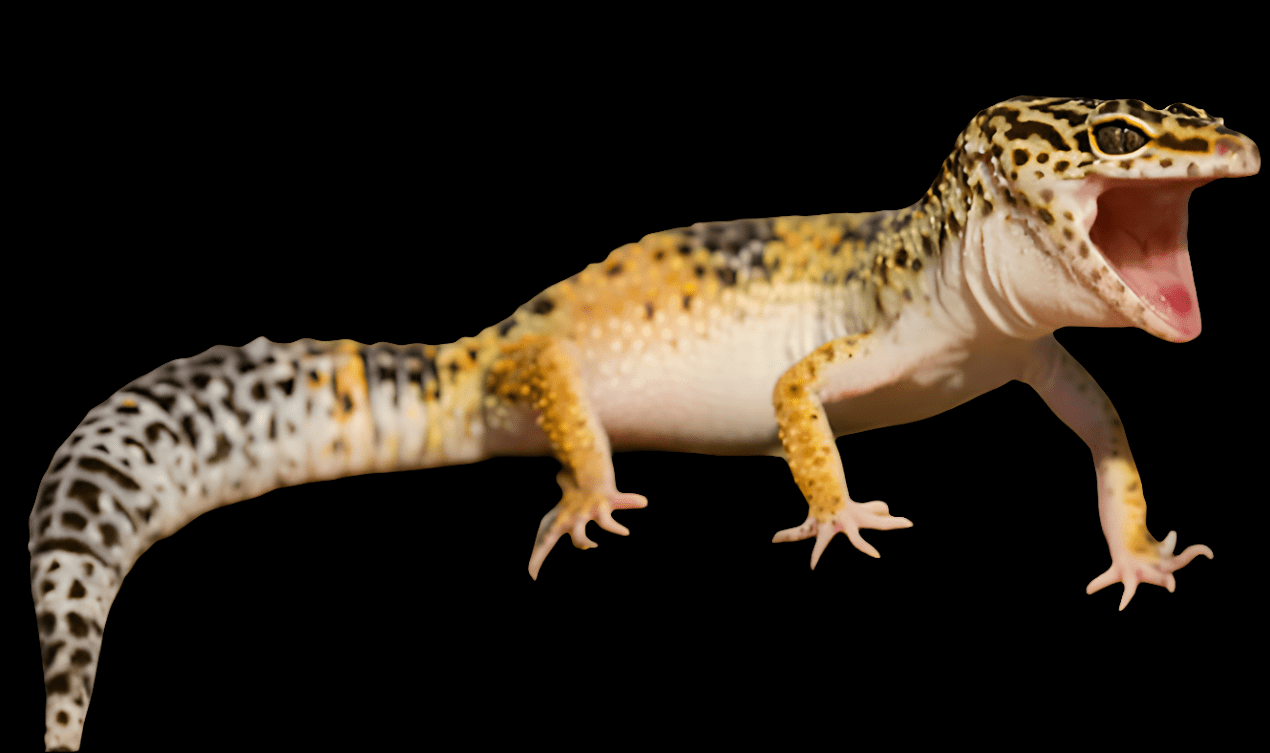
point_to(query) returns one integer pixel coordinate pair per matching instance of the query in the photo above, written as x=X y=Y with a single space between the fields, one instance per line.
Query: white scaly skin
x=705 y=348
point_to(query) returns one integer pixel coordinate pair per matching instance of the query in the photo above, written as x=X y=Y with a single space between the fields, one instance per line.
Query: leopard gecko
x=758 y=336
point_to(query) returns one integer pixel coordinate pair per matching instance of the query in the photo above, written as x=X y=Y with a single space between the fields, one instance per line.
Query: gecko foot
x=573 y=512
x=849 y=520
x=1153 y=567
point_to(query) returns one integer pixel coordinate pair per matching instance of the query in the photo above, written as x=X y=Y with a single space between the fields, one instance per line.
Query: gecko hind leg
x=541 y=372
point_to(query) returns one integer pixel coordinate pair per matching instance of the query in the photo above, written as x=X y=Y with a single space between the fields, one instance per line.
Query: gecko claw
x=849 y=520
x=1155 y=567
x=572 y=513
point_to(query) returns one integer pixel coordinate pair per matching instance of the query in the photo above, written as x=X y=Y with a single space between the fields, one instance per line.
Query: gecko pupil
x=1119 y=138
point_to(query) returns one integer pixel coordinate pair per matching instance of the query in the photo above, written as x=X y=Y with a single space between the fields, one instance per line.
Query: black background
x=359 y=186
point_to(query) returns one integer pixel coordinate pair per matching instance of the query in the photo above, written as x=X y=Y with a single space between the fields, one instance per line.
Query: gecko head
x=1104 y=186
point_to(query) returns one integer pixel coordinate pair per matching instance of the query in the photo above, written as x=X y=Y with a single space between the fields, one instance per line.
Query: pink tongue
x=1165 y=282
x=1177 y=297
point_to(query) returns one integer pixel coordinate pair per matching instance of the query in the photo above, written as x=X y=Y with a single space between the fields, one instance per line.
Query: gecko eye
x=1119 y=138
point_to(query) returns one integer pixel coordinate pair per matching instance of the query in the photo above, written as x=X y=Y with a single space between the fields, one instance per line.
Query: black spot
x=127 y=409
x=58 y=684
x=259 y=392
x=1021 y=156
x=86 y=494
x=144 y=452
x=1194 y=144
x=81 y=657
x=287 y=386
x=210 y=361
x=542 y=305
x=78 y=625
x=77 y=590
x=1148 y=114
x=109 y=534
x=429 y=367
x=687 y=301
x=726 y=275
x=50 y=654
x=934 y=188
x=47 y=586
x=200 y=380
x=505 y=327
x=47 y=622
x=74 y=521
x=648 y=310
x=223 y=448
x=165 y=403
x=48 y=493
x=154 y=429
x=191 y=433
x=63 y=717
x=232 y=407
x=699 y=270
x=614 y=270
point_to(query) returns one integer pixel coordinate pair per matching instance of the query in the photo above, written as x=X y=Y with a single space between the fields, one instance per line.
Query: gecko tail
x=73 y=593
x=198 y=433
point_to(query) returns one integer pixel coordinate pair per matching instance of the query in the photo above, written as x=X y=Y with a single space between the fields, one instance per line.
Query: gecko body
x=758 y=336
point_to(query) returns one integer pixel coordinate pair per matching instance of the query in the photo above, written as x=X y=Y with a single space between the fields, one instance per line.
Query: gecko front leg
x=813 y=456
x=1074 y=396
x=541 y=372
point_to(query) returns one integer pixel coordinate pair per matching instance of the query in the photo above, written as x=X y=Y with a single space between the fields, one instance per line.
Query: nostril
x=1225 y=145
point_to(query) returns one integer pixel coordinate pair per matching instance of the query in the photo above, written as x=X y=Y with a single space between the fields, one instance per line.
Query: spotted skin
x=771 y=335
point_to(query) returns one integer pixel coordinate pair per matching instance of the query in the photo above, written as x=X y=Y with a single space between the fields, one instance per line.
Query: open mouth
x=1140 y=229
